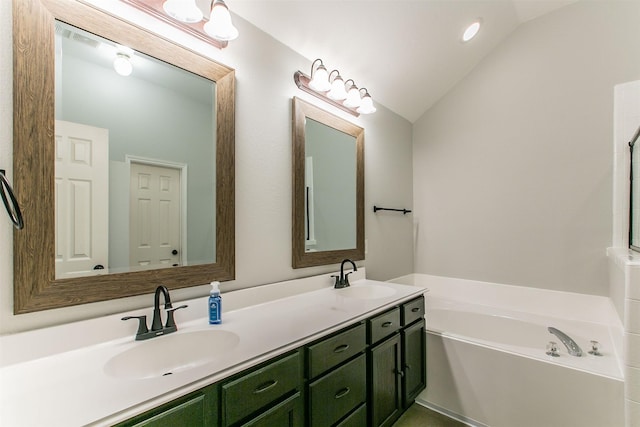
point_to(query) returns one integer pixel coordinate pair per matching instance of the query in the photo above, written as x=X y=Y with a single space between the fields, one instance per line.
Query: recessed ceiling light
x=471 y=31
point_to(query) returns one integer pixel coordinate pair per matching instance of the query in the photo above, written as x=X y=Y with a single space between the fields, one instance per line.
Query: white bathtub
x=487 y=362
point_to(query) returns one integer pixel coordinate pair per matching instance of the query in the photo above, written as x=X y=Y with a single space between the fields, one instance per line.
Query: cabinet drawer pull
x=265 y=386
x=341 y=348
x=415 y=309
x=386 y=324
x=342 y=392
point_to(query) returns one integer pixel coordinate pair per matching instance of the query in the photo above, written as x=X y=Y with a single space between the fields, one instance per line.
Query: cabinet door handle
x=341 y=348
x=387 y=324
x=401 y=373
x=342 y=392
x=265 y=386
x=415 y=309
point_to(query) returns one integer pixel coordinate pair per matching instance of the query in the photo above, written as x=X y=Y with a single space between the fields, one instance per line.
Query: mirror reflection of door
x=82 y=205
x=155 y=228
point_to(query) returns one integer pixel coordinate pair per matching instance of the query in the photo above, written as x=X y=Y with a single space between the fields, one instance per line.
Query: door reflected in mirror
x=135 y=159
x=328 y=187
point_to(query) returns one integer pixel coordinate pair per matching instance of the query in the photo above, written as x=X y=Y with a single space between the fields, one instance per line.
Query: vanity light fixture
x=331 y=88
x=122 y=64
x=219 y=25
x=471 y=31
x=183 y=10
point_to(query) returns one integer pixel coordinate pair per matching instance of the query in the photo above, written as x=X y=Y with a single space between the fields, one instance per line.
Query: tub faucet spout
x=573 y=348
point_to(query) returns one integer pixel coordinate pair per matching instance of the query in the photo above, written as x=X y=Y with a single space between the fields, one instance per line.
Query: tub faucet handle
x=552 y=349
x=595 y=348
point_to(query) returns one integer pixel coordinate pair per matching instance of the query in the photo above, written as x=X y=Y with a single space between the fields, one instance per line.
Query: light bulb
x=183 y=10
x=219 y=25
x=320 y=80
x=366 y=106
x=337 y=92
x=122 y=64
x=353 y=97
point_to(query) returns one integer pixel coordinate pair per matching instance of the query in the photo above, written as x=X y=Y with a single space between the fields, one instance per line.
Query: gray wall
x=265 y=86
x=513 y=168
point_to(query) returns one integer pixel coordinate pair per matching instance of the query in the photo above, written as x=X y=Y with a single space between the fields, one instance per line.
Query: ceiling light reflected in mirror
x=471 y=31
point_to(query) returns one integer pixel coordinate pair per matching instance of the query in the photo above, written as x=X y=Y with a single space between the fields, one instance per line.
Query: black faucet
x=157 y=329
x=156 y=324
x=342 y=281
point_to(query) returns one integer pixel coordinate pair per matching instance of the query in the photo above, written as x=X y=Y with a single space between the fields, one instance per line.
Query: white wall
x=264 y=73
x=513 y=168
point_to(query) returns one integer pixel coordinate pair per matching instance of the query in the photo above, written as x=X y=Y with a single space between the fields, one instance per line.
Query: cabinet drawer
x=412 y=311
x=191 y=412
x=334 y=350
x=356 y=419
x=384 y=325
x=286 y=414
x=247 y=394
x=338 y=393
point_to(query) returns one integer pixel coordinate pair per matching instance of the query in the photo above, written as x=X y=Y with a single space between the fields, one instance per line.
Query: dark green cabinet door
x=414 y=362
x=385 y=400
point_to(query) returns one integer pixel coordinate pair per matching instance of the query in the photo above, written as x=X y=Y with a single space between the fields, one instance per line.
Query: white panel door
x=155 y=216
x=82 y=199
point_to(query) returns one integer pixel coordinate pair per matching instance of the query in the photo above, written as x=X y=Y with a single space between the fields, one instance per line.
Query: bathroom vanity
x=347 y=357
x=374 y=368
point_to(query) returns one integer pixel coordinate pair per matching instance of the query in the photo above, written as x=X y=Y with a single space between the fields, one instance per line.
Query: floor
x=419 y=416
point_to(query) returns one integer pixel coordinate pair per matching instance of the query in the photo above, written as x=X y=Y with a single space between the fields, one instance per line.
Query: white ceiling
x=407 y=53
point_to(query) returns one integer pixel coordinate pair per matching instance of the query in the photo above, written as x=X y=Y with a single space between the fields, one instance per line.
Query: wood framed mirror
x=328 y=187
x=36 y=284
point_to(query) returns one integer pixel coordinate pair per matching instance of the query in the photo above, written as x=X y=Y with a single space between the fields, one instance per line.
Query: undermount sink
x=170 y=354
x=366 y=291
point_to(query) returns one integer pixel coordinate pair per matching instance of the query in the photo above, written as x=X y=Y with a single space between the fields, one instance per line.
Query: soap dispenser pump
x=215 y=304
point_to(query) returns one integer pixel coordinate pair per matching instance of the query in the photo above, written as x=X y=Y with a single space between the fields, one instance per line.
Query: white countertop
x=72 y=389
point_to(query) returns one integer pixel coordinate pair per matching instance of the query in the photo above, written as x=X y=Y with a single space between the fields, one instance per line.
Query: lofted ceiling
x=407 y=53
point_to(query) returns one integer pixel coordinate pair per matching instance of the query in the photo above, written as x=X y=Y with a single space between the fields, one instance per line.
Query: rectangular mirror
x=60 y=111
x=328 y=187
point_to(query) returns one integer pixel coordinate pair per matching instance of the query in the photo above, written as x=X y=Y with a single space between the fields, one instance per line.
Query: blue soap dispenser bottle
x=215 y=304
